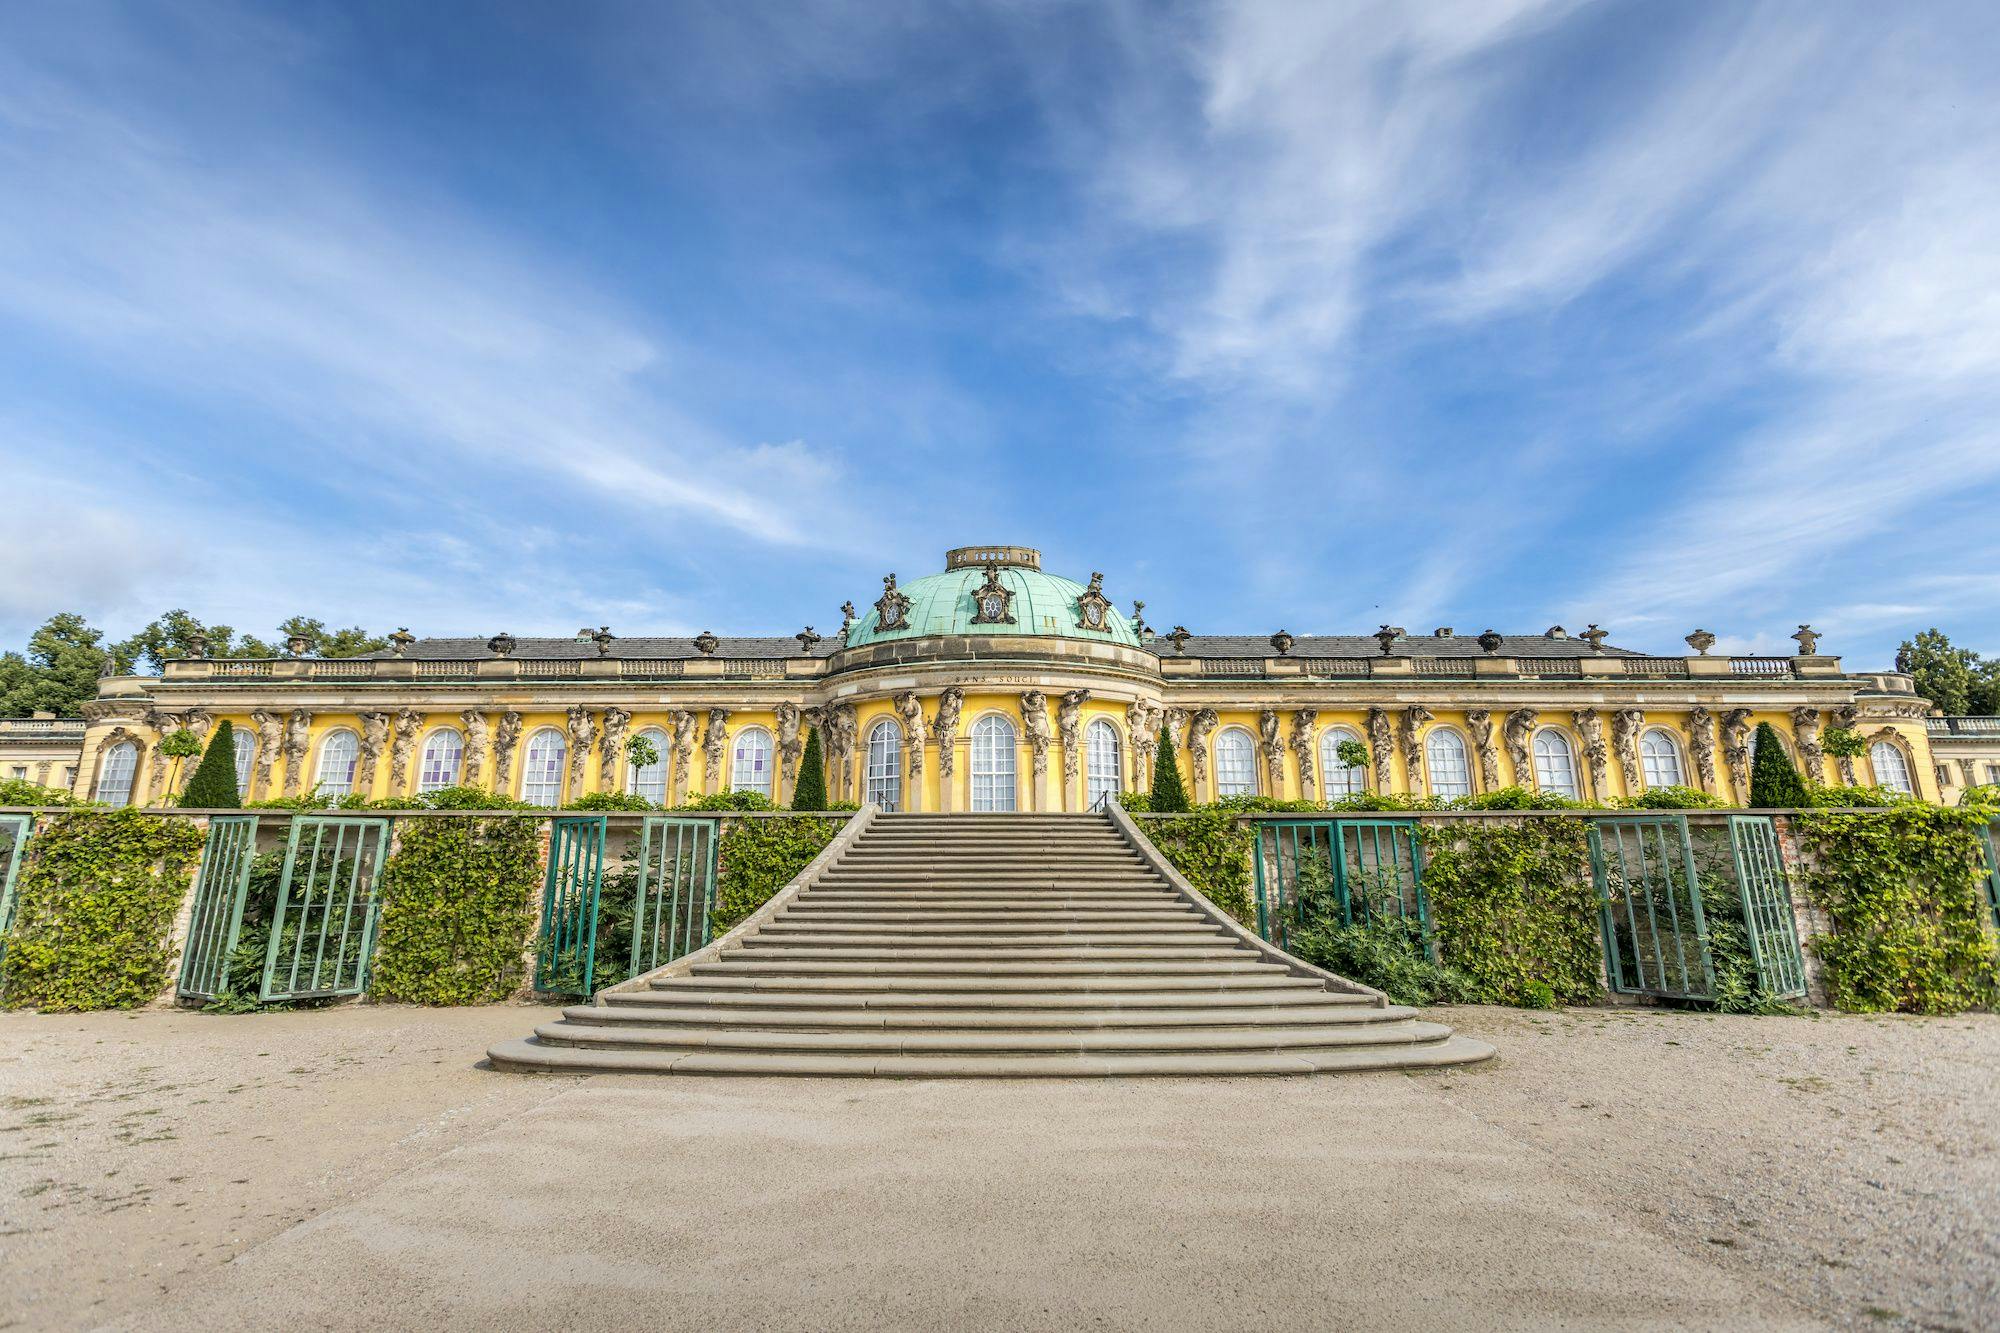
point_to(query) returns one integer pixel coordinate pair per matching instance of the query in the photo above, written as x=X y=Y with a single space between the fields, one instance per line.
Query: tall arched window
x=115 y=773
x=443 y=750
x=243 y=744
x=1339 y=778
x=338 y=755
x=650 y=780
x=885 y=764
x=1444 y=757
x=1235 y=763
x=993 y=763
x=542 y=770
x=1891 y=769
x=1660 y=759
x=1104 y=770
x=750 y=763
x=1555 y=764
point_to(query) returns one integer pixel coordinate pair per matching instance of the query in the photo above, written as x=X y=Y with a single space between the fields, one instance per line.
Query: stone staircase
x=988 y=945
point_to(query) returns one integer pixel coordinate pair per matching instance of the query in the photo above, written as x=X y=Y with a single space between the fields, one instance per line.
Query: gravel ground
x=1614 y=1168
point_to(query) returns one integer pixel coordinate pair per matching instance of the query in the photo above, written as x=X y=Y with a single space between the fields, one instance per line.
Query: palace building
x=995 y=685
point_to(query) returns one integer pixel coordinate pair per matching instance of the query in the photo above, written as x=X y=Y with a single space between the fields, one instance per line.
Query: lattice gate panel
x=676 y=891
x=1767 y=906
x=14 y=833
x=566 y=952
x=1992 y=872
x=1649 y=897
x=219 y=892
x=323 y=929
x=1345 y=870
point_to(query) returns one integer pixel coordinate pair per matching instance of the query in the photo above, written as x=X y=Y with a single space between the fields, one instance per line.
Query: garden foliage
x=757 y=857
x=213 y=786
x=1775 y=783
x=1169 y=796
x=1513 y=907
x=810 y=791
x=1211 y=850
x=458 y=904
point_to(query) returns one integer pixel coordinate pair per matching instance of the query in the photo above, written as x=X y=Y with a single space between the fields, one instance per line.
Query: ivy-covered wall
x=1211 y=850
x=757 y=857
x=1513 y=907
x=458 y=904
x=94 y=910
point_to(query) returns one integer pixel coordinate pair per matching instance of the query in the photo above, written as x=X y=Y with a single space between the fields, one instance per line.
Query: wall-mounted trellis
x=676 y=890
x=1767 y=906
x=323 y=928
x=216 y=922
x=566 y=951
x=14 y=833
x=1987 y=840
x=1649 y=896
x=1372 y=868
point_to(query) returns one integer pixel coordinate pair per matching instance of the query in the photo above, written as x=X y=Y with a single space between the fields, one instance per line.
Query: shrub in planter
x=1169 y=796
x=1775 y=783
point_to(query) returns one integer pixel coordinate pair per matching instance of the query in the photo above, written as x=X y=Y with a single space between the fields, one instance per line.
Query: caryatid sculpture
x=950 y=704
x=1479 y=722
x=612 y=748
x=681 y=722
x=478 y=737
x=506 y=736
x=1201 y=725
x=1701 y=746
x=1381 y=745
x=916 y=735
x=1805 y=730
x=1273 y=750
x=1626 y=724
x=375 y=739
x=409 y=722
x=1595 y=753
x=1069 y=724
x=298 y=734
x=1142 y=723
x=1408 y=723
x=582 y=734
x=1519 y=733
x=714 y=744
x=164 y=724
x=1303 y=721
x=791 y=742
x=1035 y=723
x=1736 y=750
x=1845 y=717
x=270 y=738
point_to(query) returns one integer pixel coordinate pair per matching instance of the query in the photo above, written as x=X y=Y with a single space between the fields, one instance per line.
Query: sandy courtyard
x=356 y=1169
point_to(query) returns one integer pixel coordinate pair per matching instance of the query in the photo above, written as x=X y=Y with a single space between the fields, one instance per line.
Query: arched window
x=1660 y=759
x=443 y=749
x=244 y=744
x=115 y=773
x=542 y=770
x=1104 y=770
x=993 y=763
x=1235 y=763
x=1891 y=769
x=650 y=780
x=1339 y=778
x=1555 y=764
x=1444 y=756
x=338 y=754
x=885 y=764
x=750 y=764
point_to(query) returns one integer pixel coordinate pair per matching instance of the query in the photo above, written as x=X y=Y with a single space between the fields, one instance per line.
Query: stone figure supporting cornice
x=1736 y=751
x=916 y=735
x=1069 y=725
x=1519 y=733
x=1596 y=754
x=1382 y=748
x=368 y=752
x=1303 y=721
x=1035 y=722
x=270 y=736
x=950 y=705
x=714 y=744
x=1272 y=746
x=611 y=748
x=408 y=723
x=153 y=790
x=582 y=731
x=1142 y=724
x=1479 y=723
x=1407 y=723
x=1201 y=726
x=478 y=738
x=298 y=733
x=791 y=745
x=1626 y=724
x=682 y=723
x=506 y=735
x=1701 y=746
x=1805 y=730
x=1845 y=717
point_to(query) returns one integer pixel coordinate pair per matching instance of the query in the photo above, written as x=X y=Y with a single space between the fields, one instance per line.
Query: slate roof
x=565 y=649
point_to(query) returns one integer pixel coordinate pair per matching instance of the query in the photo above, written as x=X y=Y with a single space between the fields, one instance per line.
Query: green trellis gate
x=1373 y=868
x=217 y=919
x=676 y=890
x=566 y=949
x=14 y=833
x=323 y=928
x=1767 y=905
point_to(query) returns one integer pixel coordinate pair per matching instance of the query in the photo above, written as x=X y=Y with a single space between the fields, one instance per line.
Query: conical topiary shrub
x=1775 y=783
x=810 y=791
x=1169 y=796
x=213 y=786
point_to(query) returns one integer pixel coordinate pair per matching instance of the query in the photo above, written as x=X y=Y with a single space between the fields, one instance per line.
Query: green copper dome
x=949 y=603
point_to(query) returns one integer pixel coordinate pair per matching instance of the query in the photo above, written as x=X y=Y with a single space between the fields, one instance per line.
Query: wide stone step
x=875 y=918
x=962 y=1020
x=936 y=997
x=786 y=963
x=941 y=900
x=989 y=879
x=1268 y=1037
x=790 y=927
x=1110 y=987
x=1110 y=948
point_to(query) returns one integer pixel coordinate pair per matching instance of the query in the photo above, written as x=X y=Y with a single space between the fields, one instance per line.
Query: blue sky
x=1304 y=316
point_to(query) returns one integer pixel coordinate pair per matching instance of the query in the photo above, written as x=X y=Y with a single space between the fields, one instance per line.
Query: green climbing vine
x=458 y=903
x=757 y=857
x=1514 y=909
x=1211 y=849
x=94 y=910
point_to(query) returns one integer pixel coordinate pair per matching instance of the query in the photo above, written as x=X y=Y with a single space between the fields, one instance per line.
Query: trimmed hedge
x=459 y=899
x=94 y=910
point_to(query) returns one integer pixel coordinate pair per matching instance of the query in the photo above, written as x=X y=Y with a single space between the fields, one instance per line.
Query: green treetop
x=1169 y=796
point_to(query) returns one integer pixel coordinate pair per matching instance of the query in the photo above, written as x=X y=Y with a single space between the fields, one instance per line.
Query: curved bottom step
x=524 y=1055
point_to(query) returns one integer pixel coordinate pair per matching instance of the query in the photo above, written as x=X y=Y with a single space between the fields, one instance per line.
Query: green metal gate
x=1357 y=870
x=1992 y=875
x=566 y=952
x=323 y=929
x=14 y=834
x=1767 y=906
x=676 y=892
x=1649 y=899
x=217 y=919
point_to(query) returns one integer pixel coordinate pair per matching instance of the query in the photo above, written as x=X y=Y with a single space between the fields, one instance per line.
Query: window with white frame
x=244 y=745
x=1235 y=763
x=1340 y=779
x=750 y=761
x=650 y=780
x=1104 y=770
x=1660 y=759
x=1555 y=763
x=1444 y=757
x=885 y=764
x=115 y=774
x=443 y=751
x=338 y=755
x=993 y=771
x=1891 y=769
x=542 y=770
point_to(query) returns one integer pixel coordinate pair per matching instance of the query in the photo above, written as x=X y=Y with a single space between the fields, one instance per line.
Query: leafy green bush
x=1388 y=954
x=1169 y=796
x=1514 y=908
x=1669 y=798
x=1211 y=850
x=1516 y=798
x=727 y=800
x=1905 y=887
x=213 y=786
x=460 y=797
x=94 y=910
x=1857 y=796
x=757 y=857
x=1243 y=805
x=1775 y=783
x=611 y=800
x=459 y=898
x=20 y=791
